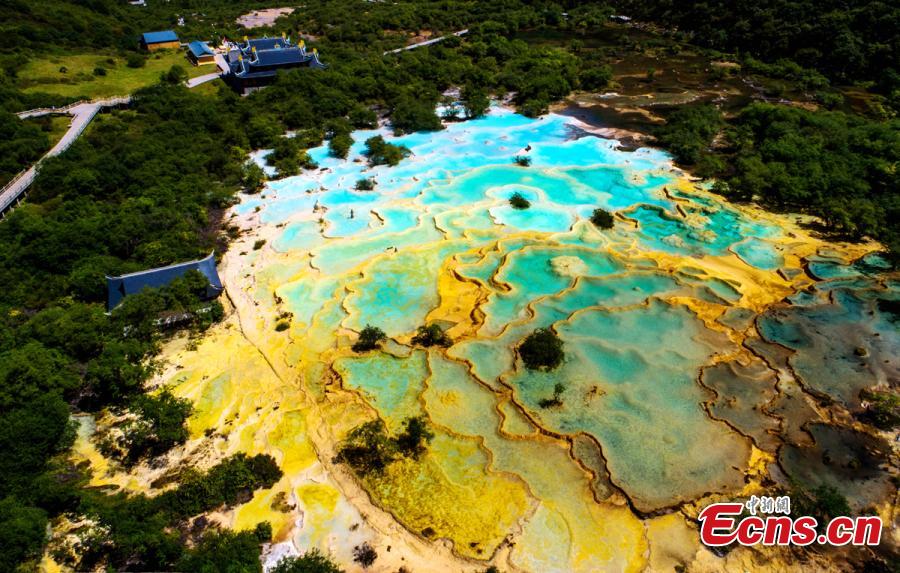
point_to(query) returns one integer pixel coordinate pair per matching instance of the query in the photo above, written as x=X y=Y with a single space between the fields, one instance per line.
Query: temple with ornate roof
x=255 y=63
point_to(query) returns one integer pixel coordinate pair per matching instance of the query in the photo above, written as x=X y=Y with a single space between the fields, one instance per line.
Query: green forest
x=148 y=186
x=845 y=41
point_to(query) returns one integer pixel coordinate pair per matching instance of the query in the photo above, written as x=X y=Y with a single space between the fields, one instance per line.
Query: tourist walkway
x=194 y=82
x=426 y=42
x=82 y=113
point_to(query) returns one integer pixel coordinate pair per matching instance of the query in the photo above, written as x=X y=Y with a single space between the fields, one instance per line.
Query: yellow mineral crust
x=494 y=485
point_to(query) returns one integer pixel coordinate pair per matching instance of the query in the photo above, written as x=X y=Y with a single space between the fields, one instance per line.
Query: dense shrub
x=364 y=184
x=365 y=555
x=824 y=502
x=431 y=335
x=368 y=449
x=883 y=409
x=689 y=131
x=340 y=144
x=135 y=61
x=542 y=350
x=602 y=219
x=518 y=201
x=828 y=163
x=254 y=178
x=159 y=425
x=21 y=144
x=380 y=152
x=369 y=339
x=224 y=550
x=415 y=437
x=412 y=113
x=313 y=561
x=556 y=399
x=222 y=485
x=475 y=101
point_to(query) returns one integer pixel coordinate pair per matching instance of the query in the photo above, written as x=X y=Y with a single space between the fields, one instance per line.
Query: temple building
x=165 y=40
x=117 y=288
x=254 y=63
x=200 y=53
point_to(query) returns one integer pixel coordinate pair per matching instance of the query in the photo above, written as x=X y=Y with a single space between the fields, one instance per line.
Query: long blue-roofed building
x=255 y=63
x=120 y=287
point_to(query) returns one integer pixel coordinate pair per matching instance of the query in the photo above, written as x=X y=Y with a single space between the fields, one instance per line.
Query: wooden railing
x=7 y=200
x=25 y=178
x=48 y=110
x=105 y=102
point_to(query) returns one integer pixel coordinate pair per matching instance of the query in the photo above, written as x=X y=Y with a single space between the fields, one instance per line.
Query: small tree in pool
x=542 y=350
x=369 y=339
x=431 y=335
x=518 y=201
x=414 y=438
x=522 y=160
x=367 y=449
x=365 y=184
x=381 y=152
x=602 y=218
x=556 y=400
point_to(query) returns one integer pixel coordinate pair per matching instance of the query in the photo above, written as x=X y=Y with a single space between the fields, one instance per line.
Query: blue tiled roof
x=262 y=57
x=267 y=43
x=200 y=49
x=280 y=57
x=160 y=37
x=120 y=287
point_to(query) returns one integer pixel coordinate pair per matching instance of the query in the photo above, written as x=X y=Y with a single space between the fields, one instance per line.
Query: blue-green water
x=664 y=318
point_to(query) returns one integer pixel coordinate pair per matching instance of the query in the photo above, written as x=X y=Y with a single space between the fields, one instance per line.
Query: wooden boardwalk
x=426 y=42
x=82 y=113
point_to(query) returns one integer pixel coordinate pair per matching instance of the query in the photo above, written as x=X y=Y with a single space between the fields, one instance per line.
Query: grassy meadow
x=74 y=75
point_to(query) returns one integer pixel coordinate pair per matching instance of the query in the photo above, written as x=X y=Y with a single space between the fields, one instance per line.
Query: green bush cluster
x=830 y=164
x=288 y=157
x=542 y=350
x=369 y=339
x=365 y=184
x=222 y=485
x=518 y=201
x=431 y=335
x=312 y=561
x=602 y=219
x=368 y=449
x=883 y=410
x=824 y=502
x=21 y=144
x=139 y=531
x=689 y=131
x=380 y=152
x=158 y=426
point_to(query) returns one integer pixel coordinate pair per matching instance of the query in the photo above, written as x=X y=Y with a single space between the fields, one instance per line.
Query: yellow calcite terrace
x=506 y=481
